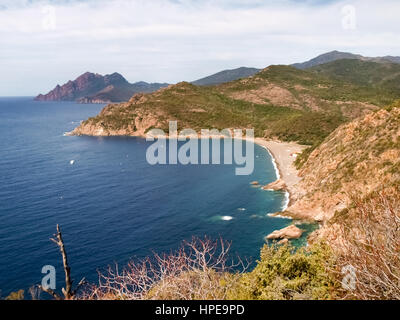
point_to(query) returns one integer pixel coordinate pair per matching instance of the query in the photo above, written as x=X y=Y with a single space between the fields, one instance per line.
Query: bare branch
x=67 y=291
x=51 y=292
x=195 y=271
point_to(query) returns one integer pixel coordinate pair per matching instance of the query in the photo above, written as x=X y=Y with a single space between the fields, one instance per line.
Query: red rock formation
x=95 y=88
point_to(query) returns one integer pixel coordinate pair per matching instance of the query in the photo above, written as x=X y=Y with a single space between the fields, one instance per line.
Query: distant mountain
x=226 y=76
x=114 y=93
x=392 y=59
x=366 y=73
x=337 y=55
x=95 y=88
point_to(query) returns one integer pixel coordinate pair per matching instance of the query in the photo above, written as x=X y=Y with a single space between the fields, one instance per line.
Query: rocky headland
x=96 y=88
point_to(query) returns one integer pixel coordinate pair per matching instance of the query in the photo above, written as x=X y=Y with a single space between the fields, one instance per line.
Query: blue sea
x=111 y=204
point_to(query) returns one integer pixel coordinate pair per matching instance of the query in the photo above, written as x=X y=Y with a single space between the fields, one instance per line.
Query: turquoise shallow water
x=112 y=205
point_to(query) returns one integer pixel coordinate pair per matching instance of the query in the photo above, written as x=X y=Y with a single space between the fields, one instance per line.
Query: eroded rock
x=276 y=185
x=290 y=232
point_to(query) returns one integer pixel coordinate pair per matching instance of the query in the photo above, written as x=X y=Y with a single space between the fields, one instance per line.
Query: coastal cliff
x=127 y=119
x=357 y=159
x=85 y=85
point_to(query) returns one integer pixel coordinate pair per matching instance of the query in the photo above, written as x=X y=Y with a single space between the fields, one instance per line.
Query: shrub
x=288 y=273
x=371 y=245
x=199 y=270
x=17 y=295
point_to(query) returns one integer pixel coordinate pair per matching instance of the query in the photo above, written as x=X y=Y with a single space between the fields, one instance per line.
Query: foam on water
x=286 y=202
x=278 y=175
x=226 y=218
x=279 y=216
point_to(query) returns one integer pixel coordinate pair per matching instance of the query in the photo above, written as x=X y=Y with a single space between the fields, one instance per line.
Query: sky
x=44 y=43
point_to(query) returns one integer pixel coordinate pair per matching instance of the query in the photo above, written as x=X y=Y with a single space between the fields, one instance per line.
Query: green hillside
x=310 y=89
x=385 y=76
x=226 y=76
x=278 y=102
x=205 y=107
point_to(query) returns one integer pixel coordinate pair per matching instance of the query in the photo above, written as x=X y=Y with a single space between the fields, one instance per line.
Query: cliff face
x=95 y=88
x=358 y=158
x=123 y=119
x=86 y=84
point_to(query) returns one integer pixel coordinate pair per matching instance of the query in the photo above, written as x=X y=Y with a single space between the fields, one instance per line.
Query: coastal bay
x=111 y=204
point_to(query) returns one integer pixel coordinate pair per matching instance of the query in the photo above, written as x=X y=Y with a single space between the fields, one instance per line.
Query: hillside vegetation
x=226 y=76
x=359 y=158
x=200 y=270
x=337 y=55
x=279 y=102
x=305 y=90
x=385 y=76
x=205 y=107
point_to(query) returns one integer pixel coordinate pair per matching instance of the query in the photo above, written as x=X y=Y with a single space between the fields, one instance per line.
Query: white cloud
x=178 y=40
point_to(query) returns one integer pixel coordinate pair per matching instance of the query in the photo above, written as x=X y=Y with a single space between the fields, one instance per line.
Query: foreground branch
x=67 y=291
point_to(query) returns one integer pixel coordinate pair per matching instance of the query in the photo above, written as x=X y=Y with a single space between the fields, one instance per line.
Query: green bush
x=284 y=272
x=17 y=295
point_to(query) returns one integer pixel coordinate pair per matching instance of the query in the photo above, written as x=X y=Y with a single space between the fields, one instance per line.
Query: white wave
x=278 y=175
x=241 y=209
x=226 y=218
x=286 y=202
x=273 y=215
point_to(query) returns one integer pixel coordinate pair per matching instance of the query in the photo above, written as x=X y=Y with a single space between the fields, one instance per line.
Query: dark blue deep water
x=111 y=204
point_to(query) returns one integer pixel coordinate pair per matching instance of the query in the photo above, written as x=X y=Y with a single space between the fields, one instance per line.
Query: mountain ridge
x=95 y=88
x=379 y=74
x=226 y=76
x=280 y=102
x=338 y=55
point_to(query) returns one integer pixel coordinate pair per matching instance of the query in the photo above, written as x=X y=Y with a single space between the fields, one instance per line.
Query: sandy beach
x=284 y=154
